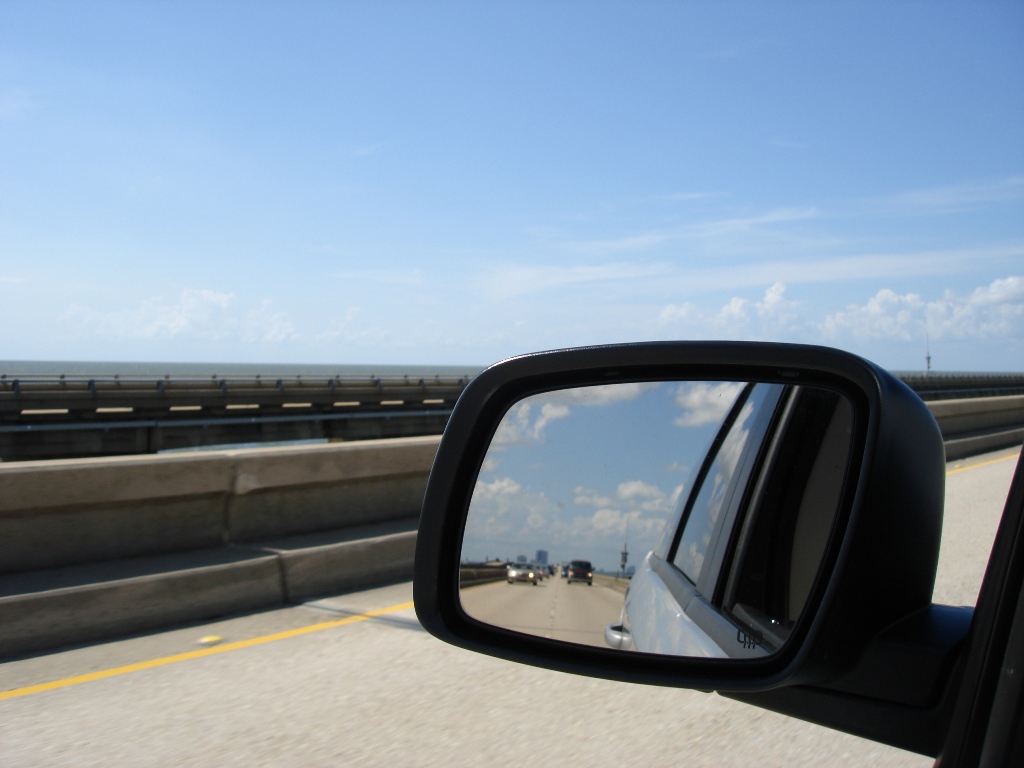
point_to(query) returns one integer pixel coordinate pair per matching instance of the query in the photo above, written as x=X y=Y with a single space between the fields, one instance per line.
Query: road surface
x=327 y=683
x=554 y=608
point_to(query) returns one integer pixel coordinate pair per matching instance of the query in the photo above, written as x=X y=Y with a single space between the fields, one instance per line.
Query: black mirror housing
x=879 y=565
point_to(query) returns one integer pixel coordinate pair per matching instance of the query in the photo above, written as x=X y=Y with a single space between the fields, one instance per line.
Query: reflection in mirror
x=676 y=517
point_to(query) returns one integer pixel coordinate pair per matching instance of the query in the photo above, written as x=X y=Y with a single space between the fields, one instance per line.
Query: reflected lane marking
x=113 y=672
x=983 y=463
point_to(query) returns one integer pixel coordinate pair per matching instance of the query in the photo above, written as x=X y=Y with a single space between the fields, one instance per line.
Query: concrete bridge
x=104 y=547
x=76 y=416
x=51 y=417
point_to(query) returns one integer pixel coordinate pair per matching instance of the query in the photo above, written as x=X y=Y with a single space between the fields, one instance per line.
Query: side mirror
x=727 y=492
x=781 y=506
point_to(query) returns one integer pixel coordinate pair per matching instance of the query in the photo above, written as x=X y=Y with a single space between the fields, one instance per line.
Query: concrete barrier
x=957 y=417
x=47 y=609
x=478 y=573
x=972 y=445
x=975 y=425
x=65 y=512
x=347 y=559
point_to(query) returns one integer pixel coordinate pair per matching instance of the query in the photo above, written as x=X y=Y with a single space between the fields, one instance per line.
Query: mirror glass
x=674 y=517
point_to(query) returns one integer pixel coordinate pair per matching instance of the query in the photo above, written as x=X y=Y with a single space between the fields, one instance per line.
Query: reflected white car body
x=658 y=623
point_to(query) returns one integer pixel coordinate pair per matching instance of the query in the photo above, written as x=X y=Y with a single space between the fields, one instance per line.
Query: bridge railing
x=51 y=417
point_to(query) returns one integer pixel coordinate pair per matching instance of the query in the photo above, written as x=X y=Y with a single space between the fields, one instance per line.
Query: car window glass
x=785 y=534
x=707 y=506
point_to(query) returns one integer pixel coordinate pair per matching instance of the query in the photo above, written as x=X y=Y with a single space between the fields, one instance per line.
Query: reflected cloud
x=517 y=428
x=705 y=402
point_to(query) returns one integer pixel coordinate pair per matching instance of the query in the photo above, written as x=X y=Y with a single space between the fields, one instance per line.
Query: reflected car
x=581 y=570
x=565 y=570
x=522 y=572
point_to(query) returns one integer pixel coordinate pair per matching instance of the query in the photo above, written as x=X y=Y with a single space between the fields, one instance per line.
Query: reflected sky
x=580 y=472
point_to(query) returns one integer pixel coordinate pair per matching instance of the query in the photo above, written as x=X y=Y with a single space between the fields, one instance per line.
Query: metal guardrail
x=76 y=396
x=45 y=417
x=106 y=426
x=64 y=416
x=953 y=386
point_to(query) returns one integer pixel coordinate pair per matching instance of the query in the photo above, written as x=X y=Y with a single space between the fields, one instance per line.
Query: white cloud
x=608 y=519
x=738 y=315
x=503 y=486
x=730 y=226
x=705 y=402
x=602 y=394
x=773 y=312
x=198 y=313
x=952 y=198
x=634 y=494
x=735 y=310
x=268 y=324
x=586 y=497
x=548 y=412
x=992 y=311
x=1008 y=290
x=536 y=521
x=886 y=315
x=350 y=328
x=675 y=313
x=503 y=510
x=638 y=489
x=516 y=427
x=505 y=515
x=613 y=523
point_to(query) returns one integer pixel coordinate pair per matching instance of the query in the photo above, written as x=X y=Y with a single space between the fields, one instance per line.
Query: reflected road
x=554 y=608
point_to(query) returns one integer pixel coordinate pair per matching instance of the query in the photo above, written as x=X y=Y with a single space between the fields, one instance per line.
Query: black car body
x=580 y=570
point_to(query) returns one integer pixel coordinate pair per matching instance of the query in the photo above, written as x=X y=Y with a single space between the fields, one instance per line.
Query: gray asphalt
x=383 y=692
x=554 y=608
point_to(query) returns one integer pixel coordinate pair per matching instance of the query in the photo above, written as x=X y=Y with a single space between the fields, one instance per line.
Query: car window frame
x=763 y=421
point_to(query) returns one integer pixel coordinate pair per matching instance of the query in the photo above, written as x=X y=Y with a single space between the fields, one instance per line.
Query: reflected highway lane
x=355 y=679
x=554 y=608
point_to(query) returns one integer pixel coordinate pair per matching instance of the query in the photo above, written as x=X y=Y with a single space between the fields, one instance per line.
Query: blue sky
x=457 y=183
x=572 y=473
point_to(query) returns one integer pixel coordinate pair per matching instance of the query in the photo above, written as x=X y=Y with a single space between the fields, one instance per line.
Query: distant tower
x=927 y=356
x=625 y=550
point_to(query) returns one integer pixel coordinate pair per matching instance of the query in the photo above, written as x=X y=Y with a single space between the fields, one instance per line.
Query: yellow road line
x=982 y=463
x=103 y=673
